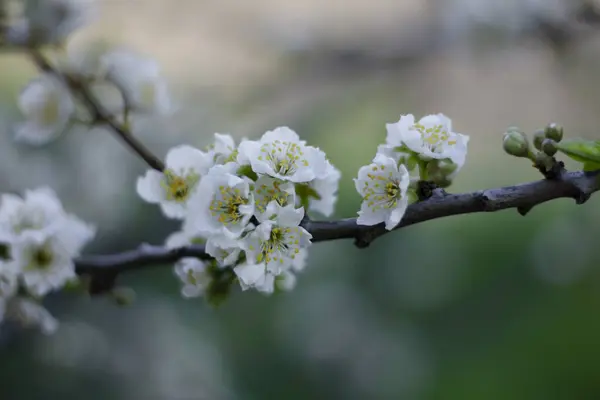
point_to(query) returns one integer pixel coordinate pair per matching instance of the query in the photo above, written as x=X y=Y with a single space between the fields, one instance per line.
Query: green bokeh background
x=482 y=306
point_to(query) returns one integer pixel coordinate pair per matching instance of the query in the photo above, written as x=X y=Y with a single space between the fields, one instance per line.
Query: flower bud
x=123 y=296
x=515 y=143
x=554 y=132
x=549 y=147
x=538 y=138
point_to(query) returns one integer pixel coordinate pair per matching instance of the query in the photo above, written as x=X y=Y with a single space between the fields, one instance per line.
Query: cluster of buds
x=516 y=143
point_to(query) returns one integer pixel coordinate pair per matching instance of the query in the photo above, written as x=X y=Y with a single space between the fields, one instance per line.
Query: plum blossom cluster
x=39 y=242
x=415 y=151
x=246 y=202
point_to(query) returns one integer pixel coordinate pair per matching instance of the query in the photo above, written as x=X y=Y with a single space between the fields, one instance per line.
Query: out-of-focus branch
x=576 y=185
x=99 y=114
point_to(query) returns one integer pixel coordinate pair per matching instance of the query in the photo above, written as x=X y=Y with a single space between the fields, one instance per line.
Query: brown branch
x=576 y=185
x=99 y=114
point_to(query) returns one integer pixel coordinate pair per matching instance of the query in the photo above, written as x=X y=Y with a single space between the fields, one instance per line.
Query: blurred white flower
x=30 y=313
x=267 y=189
x=383 y=186
x=223 y=204
x=38 y=215
x=281 y=154
x=431 y=138
x=84 y=60
x=47 y=264
x=51 y=21
x=172 y=189
x=42 y=238
x=194 y=276
x=277 y=241
x=326 y=188
x=140 y=81
x=224 y=249
x=47 y=106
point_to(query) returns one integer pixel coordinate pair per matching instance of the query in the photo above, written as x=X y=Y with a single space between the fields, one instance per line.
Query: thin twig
x=575 y=185
x=99 y=114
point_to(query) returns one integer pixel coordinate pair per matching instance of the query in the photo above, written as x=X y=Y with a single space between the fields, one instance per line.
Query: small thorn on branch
x=361 y=242
x=524 y=210
x=102 y=281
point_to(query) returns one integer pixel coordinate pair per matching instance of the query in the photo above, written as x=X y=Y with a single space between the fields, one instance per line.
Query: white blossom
x=47 y=106
x=173 y=188
x=281 y=154
x=223 y=204
x=431 y=138
x=30 y=313
x=259 y=276
x=51 y=21
x=224 y=249
x=194 y=275
x=267 y=189
x=383 y=186
x=325 y=187
x=140 y=81
x=277 y=241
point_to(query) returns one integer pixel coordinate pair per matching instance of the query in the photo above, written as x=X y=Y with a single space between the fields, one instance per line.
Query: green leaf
x=584 y=151
x=305 y=193
x=591 y=166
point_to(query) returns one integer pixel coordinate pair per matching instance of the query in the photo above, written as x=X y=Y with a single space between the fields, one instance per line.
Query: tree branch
x=576 y=185
x=99 y=114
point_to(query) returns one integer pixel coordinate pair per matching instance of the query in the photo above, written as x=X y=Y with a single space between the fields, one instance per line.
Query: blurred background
x=492 y=306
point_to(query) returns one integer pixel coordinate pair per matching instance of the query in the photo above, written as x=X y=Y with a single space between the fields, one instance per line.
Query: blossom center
x=41 y=258
x=268 y=193
x=435 y=137
x=382 y=192
x=284 y=157
x=274 y=246
x=51 y=109
x=226 y=205
x=178 y=188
